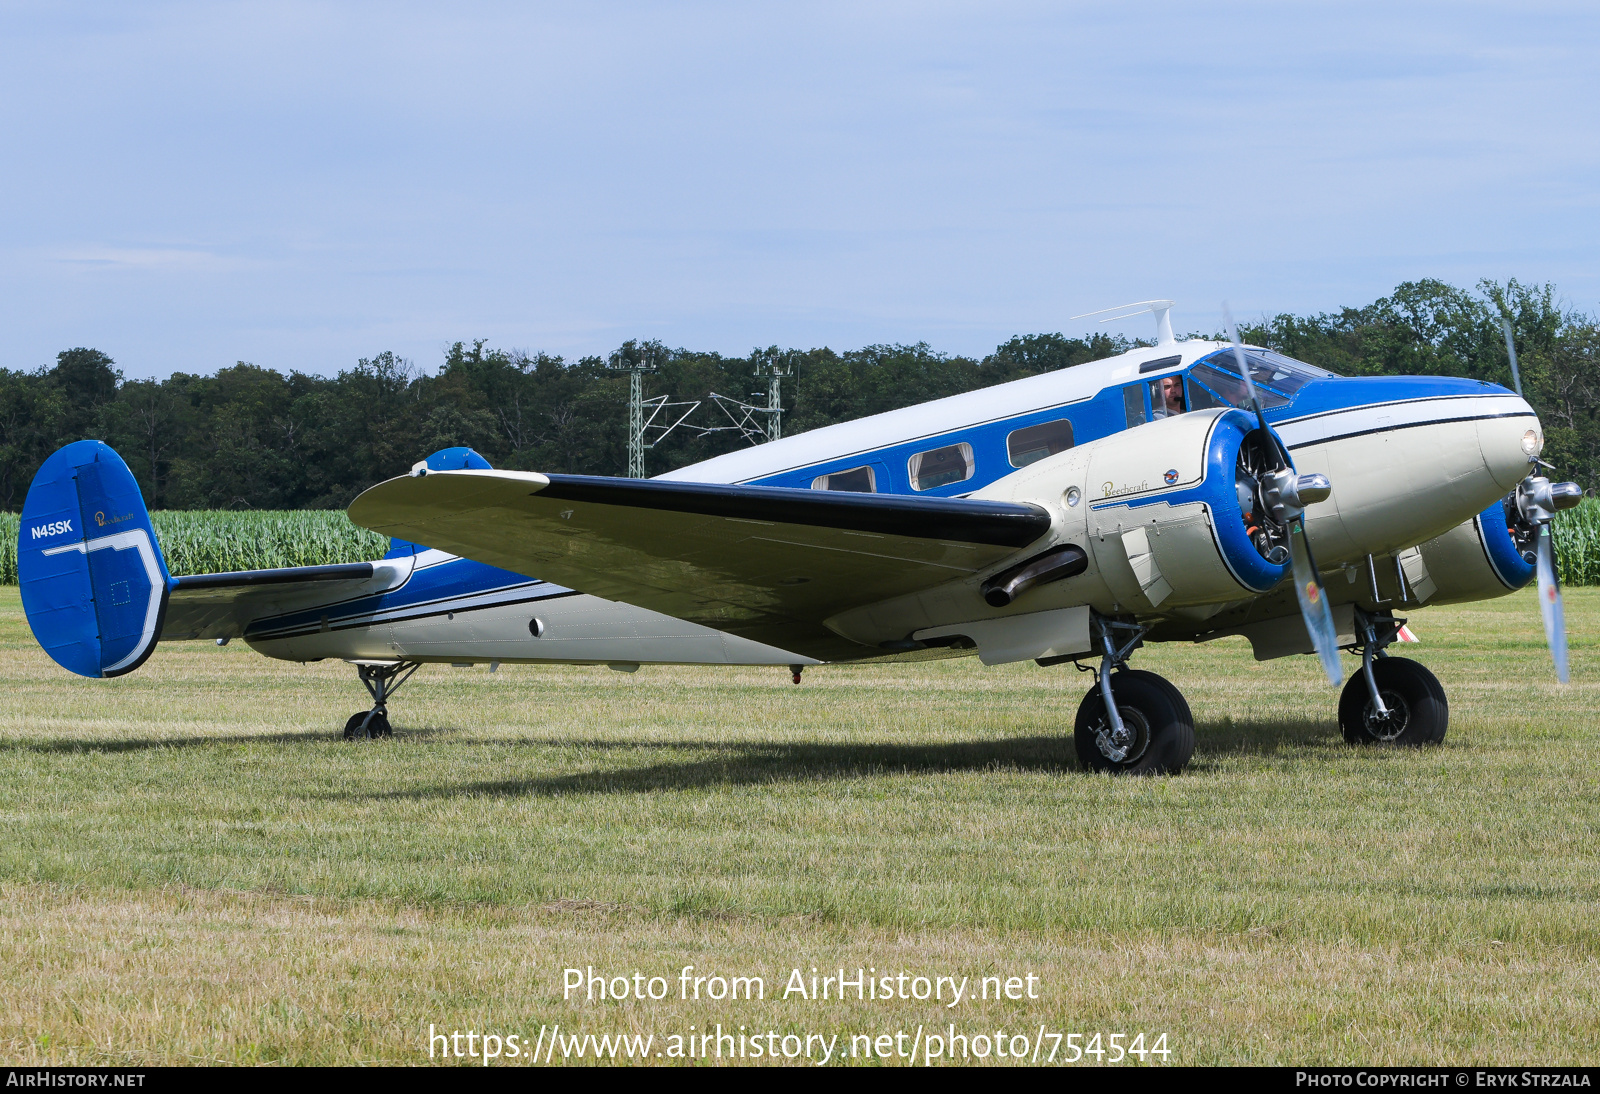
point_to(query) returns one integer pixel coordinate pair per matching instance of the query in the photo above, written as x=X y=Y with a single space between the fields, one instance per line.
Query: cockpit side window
x=1166 y=397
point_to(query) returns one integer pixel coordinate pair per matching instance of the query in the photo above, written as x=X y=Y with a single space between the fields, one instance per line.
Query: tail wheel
x=376 y=728
x=1158 y=730
x=1418 y=713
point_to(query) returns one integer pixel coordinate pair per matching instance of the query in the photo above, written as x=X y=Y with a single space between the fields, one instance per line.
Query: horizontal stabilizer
x=247 y=579
x=224 y=605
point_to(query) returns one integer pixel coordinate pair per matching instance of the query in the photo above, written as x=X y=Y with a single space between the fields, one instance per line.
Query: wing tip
x=532 y=478
x=372 y=508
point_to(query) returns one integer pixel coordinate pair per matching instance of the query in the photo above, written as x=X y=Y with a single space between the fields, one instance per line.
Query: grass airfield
x=194 y=868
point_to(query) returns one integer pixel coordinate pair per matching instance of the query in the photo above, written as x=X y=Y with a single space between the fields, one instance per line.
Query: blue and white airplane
x=1182 y=492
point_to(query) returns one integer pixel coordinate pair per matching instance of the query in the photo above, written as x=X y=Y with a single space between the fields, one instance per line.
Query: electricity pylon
x=637 y=360
x=774 y=366
x=776 y=369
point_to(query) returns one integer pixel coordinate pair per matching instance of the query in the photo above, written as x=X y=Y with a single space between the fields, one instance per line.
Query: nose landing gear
x=382 y=679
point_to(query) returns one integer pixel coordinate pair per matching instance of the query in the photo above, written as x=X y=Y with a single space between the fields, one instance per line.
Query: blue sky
x=299 y=185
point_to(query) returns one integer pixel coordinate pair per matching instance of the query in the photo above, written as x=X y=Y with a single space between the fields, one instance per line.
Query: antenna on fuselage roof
x=1158 y=308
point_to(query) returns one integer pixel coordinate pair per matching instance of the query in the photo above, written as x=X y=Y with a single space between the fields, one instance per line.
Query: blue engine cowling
x=1218 y=488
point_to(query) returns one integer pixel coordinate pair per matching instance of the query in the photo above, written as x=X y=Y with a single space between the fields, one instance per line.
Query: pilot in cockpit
x=1166 y=397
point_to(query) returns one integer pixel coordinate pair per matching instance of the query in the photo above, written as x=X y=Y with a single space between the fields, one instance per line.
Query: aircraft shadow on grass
x=749 y=762
x=145 y=744
x=746 y=762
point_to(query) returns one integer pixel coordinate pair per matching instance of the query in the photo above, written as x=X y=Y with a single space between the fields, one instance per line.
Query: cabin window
x=1133 y=403
x=941 y=466
x=857 y=480
x=1035 y=442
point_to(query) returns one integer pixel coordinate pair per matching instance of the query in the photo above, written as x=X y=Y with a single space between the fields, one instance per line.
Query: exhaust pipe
x=1067 y=560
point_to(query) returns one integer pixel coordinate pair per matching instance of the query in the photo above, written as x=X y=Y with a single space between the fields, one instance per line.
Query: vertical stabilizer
x=94 y=584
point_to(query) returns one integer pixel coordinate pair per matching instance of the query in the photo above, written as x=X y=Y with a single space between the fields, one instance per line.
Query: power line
x=636 y=361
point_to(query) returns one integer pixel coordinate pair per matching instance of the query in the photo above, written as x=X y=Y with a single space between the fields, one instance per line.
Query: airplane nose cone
x=1509 y=443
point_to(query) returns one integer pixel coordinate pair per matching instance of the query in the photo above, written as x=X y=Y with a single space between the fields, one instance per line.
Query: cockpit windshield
x=1215 y=381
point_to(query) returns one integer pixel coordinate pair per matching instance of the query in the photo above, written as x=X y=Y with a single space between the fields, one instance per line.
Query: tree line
x=249 y=437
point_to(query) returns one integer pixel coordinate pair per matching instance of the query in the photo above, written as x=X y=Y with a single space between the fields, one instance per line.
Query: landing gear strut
x=1393 y=700
x=1131 y=722
x=382 y=679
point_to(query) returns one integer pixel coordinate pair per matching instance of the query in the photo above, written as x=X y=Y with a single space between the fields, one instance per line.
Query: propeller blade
x=1555 y=617
x=1244 y=367
x=1511 y=352
x=1307 y=585
x=1314 y=603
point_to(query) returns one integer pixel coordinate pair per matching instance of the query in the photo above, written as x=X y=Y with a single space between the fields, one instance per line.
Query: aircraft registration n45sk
x=1181 y=492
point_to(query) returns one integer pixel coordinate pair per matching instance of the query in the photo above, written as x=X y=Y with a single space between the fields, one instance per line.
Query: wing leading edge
x=766 y=563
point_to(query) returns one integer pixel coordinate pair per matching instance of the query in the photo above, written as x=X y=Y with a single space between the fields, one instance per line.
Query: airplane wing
x=765 y=563
x=223 y=605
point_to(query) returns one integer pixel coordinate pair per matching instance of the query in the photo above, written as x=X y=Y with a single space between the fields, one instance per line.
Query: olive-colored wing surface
x=765 y=563
x=224 y=605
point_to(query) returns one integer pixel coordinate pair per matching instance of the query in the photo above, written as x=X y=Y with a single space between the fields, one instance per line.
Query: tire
x=378 y=727
x=1172 y=691
x=1155 y=714
x=1420 y=714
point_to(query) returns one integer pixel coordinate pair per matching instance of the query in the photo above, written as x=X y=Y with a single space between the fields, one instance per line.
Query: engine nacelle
x=1479 y=559
x=1164 y=515
x=1175 y=514
x=1166 y=511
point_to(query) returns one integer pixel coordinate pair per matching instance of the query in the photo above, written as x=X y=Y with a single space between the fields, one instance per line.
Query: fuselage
x=1411 y=458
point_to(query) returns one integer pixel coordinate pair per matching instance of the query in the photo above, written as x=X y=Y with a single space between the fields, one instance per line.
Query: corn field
x=215 y=540
x=1578 y=544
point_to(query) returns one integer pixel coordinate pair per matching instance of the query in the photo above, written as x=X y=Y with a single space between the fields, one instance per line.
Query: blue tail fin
x=94 y=584
x=446 y=459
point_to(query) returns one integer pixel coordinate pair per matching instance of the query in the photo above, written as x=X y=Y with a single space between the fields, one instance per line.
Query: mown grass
x=194 y=868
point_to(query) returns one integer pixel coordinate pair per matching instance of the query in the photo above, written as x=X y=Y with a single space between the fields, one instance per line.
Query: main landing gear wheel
x=1418 y=711
x=1157 y=729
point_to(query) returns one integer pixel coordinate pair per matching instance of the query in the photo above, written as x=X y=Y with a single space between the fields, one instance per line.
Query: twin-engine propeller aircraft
x=1182 y=492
